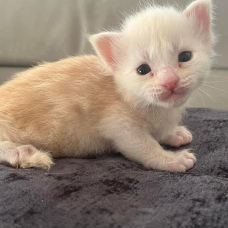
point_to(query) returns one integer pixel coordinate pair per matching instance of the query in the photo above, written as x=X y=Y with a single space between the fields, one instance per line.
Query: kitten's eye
x=185 y=56
x=143 y=69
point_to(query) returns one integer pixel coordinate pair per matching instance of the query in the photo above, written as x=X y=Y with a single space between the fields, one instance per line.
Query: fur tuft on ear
x=106 y=45
x=200 y=12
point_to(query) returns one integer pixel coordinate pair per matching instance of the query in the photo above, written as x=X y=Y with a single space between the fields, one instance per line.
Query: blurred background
x=33 y=31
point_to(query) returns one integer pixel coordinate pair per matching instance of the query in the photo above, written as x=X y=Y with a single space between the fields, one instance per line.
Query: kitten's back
x=49 y=102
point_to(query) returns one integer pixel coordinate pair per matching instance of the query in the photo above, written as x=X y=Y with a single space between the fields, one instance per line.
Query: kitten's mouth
x=174 y=95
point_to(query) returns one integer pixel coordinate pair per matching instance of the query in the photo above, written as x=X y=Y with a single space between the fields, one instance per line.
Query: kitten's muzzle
x=170 y=84
x=172 y=95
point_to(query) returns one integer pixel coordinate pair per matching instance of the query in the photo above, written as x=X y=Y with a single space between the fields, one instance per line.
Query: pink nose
x=170 y=84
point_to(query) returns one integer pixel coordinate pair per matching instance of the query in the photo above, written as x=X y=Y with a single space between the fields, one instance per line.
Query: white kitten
x=157 y=60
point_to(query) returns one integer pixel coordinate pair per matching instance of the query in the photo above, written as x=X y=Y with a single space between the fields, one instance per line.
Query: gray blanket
x=111 y=191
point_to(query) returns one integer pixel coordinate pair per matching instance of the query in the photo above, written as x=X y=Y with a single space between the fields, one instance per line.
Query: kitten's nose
x=171 y=83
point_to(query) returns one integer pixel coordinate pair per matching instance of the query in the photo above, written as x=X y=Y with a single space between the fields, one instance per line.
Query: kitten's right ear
x=106 y=45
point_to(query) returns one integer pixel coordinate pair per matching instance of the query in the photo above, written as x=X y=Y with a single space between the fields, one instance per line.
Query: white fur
x=156 y=36
x=81 y=111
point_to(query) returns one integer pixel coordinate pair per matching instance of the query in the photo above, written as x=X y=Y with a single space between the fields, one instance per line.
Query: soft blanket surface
x=111 y=191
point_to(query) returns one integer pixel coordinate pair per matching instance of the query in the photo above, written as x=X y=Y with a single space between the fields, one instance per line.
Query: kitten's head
x=161 y=54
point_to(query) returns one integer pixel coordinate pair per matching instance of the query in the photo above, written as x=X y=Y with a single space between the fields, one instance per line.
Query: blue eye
x=184 y=56
x=143 y=69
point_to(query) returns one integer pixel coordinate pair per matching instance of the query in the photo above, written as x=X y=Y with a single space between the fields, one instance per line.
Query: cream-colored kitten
x=129 y=98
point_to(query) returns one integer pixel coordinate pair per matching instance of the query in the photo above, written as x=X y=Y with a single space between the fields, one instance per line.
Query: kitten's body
x=76 y=107
x=61 y=109
x=63 y=97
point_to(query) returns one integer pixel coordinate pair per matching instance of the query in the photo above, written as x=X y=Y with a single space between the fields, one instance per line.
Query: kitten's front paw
x=173 y=161
x=181 y=137
x=181 y=161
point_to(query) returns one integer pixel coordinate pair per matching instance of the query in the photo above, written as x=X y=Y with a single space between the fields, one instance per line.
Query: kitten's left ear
x=200 y=13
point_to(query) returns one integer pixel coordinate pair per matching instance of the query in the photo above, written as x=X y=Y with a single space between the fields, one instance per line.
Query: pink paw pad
x=9 y=157
x=16 y=156
x=25 y=156
x=25 y=152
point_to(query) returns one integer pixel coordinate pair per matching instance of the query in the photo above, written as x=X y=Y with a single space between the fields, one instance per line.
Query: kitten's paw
x=25 y=156
x=31 y=157
x=172 y=161
x=181 y=161
x=181 y=137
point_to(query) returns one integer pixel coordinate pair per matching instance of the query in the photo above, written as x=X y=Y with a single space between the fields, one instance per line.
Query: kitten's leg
x=24 y=156
x=181 y=136
x=138 y=145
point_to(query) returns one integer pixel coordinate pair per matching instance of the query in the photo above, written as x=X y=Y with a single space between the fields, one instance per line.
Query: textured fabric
x=111 y=191
x=48 y=30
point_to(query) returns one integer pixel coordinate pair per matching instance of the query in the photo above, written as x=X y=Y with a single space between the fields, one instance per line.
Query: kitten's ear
x=200 y=12
x=106 y=46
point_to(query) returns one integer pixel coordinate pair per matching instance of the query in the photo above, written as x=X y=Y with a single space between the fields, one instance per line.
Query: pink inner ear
x=201 y=12
x=105 y=47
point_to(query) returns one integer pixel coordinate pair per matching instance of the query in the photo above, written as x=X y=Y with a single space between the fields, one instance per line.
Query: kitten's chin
x=166 y=99
x=172 y=101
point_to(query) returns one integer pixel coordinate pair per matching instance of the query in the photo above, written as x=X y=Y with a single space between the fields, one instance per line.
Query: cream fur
x=92 y=104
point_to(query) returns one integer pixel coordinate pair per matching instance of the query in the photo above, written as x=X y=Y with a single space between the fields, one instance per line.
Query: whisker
x=217 y=76
x=215 y=88
x=207 y=94
x=201 y=98
x=226 y=104
x=215 y=81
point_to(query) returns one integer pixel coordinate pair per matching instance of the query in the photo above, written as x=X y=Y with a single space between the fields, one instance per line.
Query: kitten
x=129 y=98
